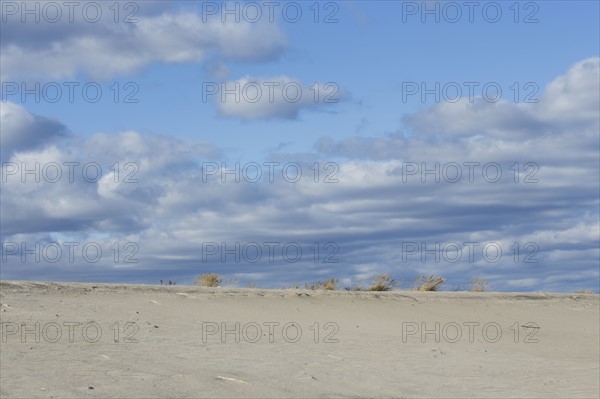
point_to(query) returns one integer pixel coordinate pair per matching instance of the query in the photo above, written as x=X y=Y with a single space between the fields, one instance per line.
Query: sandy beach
x=74 y=340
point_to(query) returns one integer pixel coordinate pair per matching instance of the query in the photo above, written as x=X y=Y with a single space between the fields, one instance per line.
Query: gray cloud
x=22 y=130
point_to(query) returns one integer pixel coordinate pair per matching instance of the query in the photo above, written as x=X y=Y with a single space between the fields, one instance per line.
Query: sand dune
x=97 y=340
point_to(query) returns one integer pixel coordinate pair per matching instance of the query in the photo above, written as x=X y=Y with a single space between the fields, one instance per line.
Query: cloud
x=561 y=131
x=22 y=130
x=570 y=101
x=364 y=217
x=273 y=97
x=84 y=184
x=105 y=49
x=573 y=97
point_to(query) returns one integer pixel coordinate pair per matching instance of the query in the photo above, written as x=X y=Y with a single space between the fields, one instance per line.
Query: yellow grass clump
x=428 y=283
x=329 y=285
x=382 y=282
x=208 y=280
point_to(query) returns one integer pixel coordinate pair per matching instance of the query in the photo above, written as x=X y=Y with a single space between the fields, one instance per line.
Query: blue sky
x=373 y=51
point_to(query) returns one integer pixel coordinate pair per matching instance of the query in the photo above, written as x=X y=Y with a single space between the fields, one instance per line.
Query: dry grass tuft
x=584 y=291
x=208 y=280
x=382 y=282
x=478 y=285
x=428 y=283
x=329 y=285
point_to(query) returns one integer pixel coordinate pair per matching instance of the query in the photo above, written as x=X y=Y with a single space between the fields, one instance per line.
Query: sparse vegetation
x=357 y=288
x=381 y=282
x=355 y=284
x=478 y=285
x=208 y=280
x=232 y=282
x=329 y=285
x=428 y=283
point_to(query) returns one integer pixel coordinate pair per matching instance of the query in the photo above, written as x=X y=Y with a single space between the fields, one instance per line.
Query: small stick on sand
x=231 y=379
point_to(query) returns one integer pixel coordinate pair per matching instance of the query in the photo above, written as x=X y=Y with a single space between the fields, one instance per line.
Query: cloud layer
x=171 y=198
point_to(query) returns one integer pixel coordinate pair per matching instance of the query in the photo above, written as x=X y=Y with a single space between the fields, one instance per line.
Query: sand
x=67 y=340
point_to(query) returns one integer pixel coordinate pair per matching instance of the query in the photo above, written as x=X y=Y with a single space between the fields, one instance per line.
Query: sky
x=282 y=142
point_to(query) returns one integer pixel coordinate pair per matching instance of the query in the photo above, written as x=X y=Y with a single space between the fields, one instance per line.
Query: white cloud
x=573 y=97
x=272 y=97
x=560 y=132
x=569 y=101
x=106 y=49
